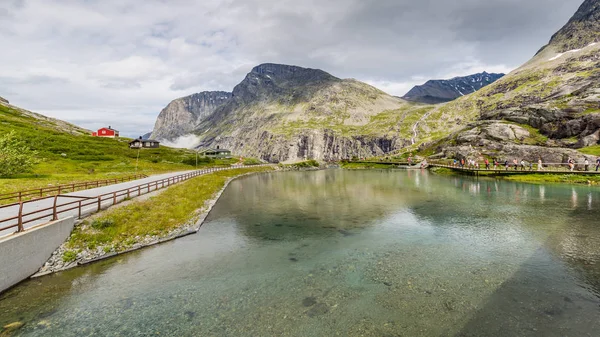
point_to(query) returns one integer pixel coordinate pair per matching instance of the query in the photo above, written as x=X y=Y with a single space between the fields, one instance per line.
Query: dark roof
x=215 y=150
x=144 y=141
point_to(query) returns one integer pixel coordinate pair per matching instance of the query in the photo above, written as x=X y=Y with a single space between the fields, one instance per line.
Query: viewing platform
x=548 y=168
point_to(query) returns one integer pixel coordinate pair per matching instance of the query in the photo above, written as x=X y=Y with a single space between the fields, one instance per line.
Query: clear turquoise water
x=348 y=253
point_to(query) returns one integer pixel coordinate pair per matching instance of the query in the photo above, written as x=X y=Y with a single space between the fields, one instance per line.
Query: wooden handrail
x=20 y=195
x=82 y=203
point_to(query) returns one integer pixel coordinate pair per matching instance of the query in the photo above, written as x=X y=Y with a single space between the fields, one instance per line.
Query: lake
x=348 y=253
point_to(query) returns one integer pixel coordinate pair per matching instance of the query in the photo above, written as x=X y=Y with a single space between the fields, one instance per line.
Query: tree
x=15 y=155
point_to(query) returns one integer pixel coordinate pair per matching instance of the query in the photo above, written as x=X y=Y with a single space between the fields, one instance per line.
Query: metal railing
x=88 y=205
x=53 y=190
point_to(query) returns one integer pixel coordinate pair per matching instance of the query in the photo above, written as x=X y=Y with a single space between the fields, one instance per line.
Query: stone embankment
x=85 y=256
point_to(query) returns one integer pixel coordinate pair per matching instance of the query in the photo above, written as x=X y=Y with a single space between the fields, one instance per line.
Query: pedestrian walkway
x=502 y=170
x=9 y=213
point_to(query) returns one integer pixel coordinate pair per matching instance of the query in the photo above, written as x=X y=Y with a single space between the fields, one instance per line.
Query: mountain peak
x=440 y=91
x=284 y=71
x=269 y=79
x=581 y=30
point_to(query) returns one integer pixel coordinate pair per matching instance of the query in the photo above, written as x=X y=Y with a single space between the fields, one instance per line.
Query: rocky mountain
x=184 y=114
x=581 y=30
x=544 y=108
x=440 y=91
x=548 y=107
x=288 y=113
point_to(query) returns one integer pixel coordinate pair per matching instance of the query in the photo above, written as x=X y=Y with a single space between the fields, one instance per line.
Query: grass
x=591 y=150
x=67 y=154
x=121 y=227
x=533 y=178
x=556 y=178
x=361 y=166
x=303 y=164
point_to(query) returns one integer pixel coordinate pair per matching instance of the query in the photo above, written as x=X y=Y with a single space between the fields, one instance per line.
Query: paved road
x=8 y=212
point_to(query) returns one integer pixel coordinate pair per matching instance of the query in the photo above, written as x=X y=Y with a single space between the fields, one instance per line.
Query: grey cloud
x=32 y=80
x=133 y=57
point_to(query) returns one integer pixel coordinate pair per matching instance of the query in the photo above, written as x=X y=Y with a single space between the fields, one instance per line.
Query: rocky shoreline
x=56 y=261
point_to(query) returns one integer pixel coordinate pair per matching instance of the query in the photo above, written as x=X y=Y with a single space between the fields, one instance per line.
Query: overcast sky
x=119 y=62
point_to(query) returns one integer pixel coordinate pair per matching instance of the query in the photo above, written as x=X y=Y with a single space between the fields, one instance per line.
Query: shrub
x=69 y=256
x=15 y=155
x=252 y=161
x=102 y=223
x=307 y=164
x=191 y=160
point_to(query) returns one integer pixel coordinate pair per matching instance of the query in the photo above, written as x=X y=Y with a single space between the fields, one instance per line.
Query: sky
x=120 y=62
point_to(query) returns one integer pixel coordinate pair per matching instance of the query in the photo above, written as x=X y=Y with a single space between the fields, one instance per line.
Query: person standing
x=540 y=164
x=586 y=164
x=487 y=164
x=571 y=164
x=597 y=164
x=506 y=165
x=516 y=164
x=522 y=165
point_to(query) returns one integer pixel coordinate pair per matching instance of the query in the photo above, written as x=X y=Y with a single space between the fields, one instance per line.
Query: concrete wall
x=22 y=254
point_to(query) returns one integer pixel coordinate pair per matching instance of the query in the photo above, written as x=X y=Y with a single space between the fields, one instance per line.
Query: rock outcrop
x=440 y=91
x=184 y=114
x=3 y=100
x=581 y=30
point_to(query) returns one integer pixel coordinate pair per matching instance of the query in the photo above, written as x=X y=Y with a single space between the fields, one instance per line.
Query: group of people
x=516 y=164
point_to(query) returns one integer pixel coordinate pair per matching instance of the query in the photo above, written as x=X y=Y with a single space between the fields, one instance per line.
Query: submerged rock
x=309 y=301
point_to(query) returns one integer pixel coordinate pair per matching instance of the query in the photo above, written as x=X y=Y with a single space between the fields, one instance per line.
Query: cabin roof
x=214 y=150
x=144 y=141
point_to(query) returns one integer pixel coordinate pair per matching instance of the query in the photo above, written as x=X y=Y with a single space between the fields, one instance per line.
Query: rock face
x=286 y=113
x=581 y=30
x=555 y=97
x=440 y=91
x=184 y=114
x=3 y=100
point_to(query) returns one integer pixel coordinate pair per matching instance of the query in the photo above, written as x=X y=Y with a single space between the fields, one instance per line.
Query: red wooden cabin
x=106 y=132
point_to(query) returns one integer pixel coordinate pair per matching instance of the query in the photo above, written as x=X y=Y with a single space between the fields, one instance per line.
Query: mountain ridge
x=581 y=30
x=441 y=91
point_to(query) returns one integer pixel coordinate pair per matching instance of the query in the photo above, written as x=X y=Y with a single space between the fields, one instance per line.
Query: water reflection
x=369 y=253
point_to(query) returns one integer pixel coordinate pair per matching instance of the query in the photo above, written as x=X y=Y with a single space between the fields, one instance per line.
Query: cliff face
x=184 y=114
x=440 y=91
x=581 y=30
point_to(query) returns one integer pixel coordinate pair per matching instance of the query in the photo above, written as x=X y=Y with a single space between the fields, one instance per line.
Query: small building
x=106 y=132
x=144 y=144
x=215 y=153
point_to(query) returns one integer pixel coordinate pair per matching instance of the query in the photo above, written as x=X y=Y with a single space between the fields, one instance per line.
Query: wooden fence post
x=20 y=223
x=99 y=203
x=54 y=215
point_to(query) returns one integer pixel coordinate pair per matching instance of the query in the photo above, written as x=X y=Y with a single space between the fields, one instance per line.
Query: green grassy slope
x=85 y=157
